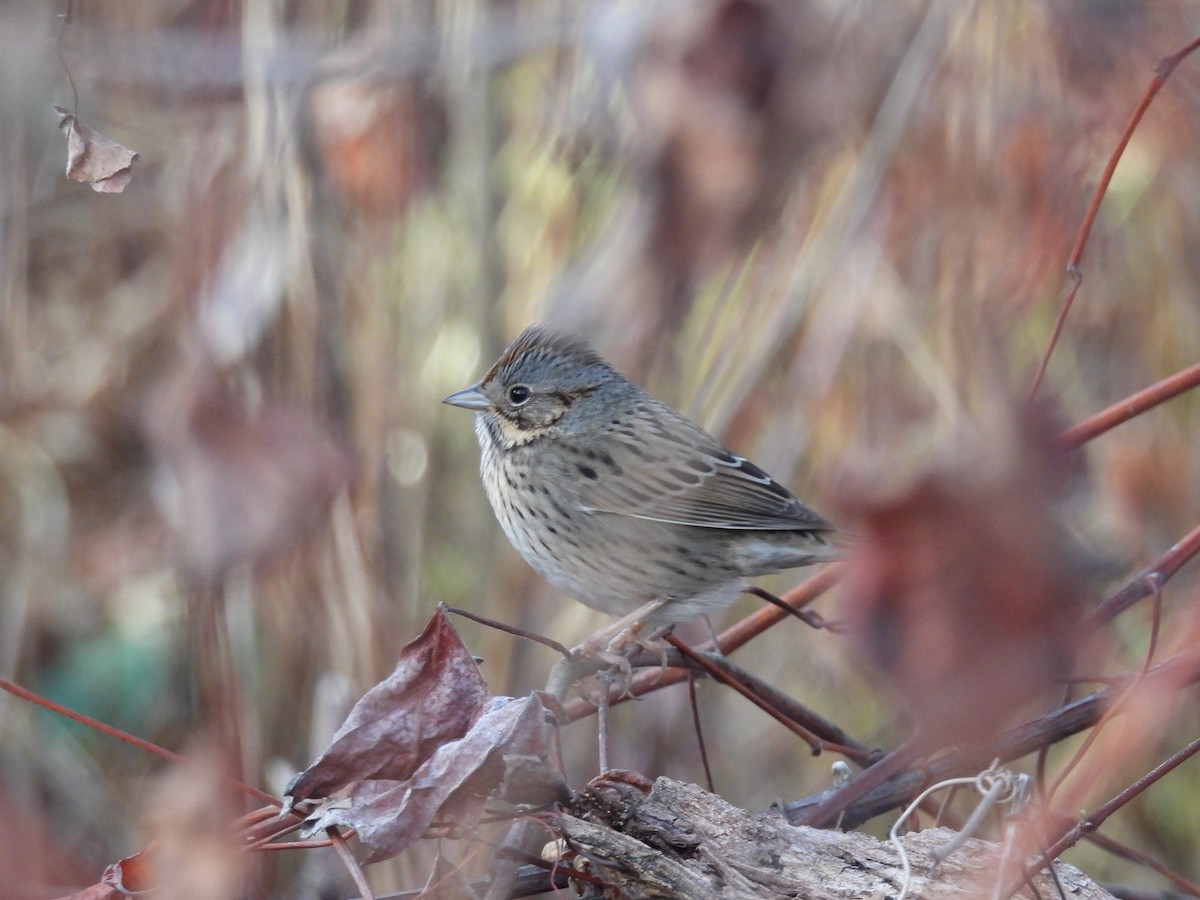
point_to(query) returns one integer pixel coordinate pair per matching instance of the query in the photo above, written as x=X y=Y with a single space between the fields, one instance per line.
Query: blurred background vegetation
x=833 y=232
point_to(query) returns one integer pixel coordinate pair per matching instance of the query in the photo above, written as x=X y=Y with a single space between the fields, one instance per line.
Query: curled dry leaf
x=424 y=747
x=93 y=158
x=431 y=698
x=963 y=590
x=450 y=788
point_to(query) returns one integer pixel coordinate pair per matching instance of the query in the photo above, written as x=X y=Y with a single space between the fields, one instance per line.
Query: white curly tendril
x=995 y=786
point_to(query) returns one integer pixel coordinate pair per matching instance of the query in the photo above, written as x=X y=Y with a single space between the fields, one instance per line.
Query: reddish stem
x=1131 y=406
x=1096 y=819
x=1116 y=848
x=352 y=867
x=797 y=598
x=1156 y=574
x=1161 y=73
x=97 y=725
x=814 y=742
x=733 y=637
x=292 y=845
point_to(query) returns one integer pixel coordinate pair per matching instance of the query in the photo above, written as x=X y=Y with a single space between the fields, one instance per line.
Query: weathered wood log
x=679 y=841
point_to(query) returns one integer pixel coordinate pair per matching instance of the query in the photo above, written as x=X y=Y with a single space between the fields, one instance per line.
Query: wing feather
x=665 y=469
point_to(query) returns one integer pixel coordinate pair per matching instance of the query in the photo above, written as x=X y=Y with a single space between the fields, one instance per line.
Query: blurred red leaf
x=963 y=590
x=93 y=158
x=723 y=99
x=430 y=698
x=377 y=143
x=133 y=873
x=450 y=787
x=246 y=483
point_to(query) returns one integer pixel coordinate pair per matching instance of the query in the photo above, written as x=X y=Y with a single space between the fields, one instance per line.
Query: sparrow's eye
x=518 y=395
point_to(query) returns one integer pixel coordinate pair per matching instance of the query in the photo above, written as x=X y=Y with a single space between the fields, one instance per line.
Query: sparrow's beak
x=469 y=398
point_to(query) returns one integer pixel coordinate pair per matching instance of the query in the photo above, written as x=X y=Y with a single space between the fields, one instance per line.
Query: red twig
x=733 y=637
x=697 y=726
x=97 y=725
x=825 y=813
x=1116 y=708
x=1096 y=819
x=351 y=864
x=797 y=598
x=1116 y=848
x=1133 y=405
x=291 y=845
x=1161 y=73
x=509 y=629
x=261 y=835
x=1151 y=578
x=804 y=734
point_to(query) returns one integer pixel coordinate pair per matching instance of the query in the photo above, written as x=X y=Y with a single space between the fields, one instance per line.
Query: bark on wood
x=679 y=841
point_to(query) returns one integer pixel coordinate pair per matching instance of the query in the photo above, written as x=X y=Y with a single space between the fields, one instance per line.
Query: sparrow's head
x=539 y=385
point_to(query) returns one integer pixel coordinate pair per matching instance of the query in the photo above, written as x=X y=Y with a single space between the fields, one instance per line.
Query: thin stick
x=809 y=617
x=1161 y=73
x=832 y=734
x=797 y=598
x=262 y=847
x=351 y=864
x=509 y=629
x=1151 y=578
x=804 y=734
x=1116 y=848
x=827 y=811
x=1095 y=820
x=695 y=704
x=1130 y=407
x=97 y=725
x=730 y=639
x=602 y=727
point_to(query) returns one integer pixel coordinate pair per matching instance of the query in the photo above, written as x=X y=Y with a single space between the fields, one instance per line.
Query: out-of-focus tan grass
x=915 y=266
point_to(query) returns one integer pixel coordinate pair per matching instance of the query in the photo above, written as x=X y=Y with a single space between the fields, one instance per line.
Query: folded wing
x=677 y=473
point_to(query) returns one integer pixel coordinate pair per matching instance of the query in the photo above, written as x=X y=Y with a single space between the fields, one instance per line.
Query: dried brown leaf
x=431 y=697
x=450 y=787
x=92 y=158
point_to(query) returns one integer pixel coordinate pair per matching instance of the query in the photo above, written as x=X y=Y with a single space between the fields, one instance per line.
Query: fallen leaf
x=92 y=158
x=451 y=787
x=431 y=697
